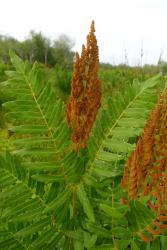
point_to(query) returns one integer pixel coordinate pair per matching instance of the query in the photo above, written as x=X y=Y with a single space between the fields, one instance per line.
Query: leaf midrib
x=38 y=106
x=112 y=128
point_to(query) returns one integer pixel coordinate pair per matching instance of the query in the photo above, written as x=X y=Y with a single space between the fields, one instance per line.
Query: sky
x=122 y=26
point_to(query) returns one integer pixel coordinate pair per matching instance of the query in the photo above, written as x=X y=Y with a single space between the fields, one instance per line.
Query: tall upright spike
x=86 y=92
x=146 y=169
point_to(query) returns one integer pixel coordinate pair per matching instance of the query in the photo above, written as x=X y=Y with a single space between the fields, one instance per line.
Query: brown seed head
x=85 y=92
x=146 y=169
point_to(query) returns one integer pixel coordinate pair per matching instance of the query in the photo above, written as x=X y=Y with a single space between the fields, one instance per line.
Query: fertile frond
x=47 y=201
x=85 y=93
x=145 y=171
x=111 y=141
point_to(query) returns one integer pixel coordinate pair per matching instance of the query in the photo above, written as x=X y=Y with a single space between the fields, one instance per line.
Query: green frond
x=104 y=247
x=5 y=143
x=62 y=198
x=118 y=127
x=24 y=211
x=111 y=212
x=9 y=241
x=85 y=203
x=36 y=116
x=139 y=216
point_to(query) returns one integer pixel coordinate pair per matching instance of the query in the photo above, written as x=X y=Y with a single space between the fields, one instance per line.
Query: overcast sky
x=120 y=25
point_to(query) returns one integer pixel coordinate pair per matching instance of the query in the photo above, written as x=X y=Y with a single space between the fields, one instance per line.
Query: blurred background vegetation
x=56 y=59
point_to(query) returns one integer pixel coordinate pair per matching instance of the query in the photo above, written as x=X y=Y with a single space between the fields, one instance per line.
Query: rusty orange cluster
x=85 y=92
x=145 y=172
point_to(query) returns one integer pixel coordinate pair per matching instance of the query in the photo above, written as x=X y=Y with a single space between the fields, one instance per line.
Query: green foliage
x=34 y=111
x=115 y=78
x=5 y=142
x=6 y=43
x=163 y=67
x=62 y=52
x=52 y=198
x=38 y=47
x=3 y=68
x=63 y=79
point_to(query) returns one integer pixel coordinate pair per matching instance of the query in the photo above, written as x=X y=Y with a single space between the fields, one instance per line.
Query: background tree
x=38 y=47
x=63 y=53
x=6 y=43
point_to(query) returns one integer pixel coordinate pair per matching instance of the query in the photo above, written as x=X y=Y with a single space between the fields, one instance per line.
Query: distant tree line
x=38 y=47
x=59 y=53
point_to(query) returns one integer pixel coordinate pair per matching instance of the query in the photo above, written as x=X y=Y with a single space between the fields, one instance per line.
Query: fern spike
x=142 y=159
x=145 y=172
x=86 y=93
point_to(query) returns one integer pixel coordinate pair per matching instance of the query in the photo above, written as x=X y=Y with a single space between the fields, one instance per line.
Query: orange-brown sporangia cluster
x=85 y=92
x=146 y=169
